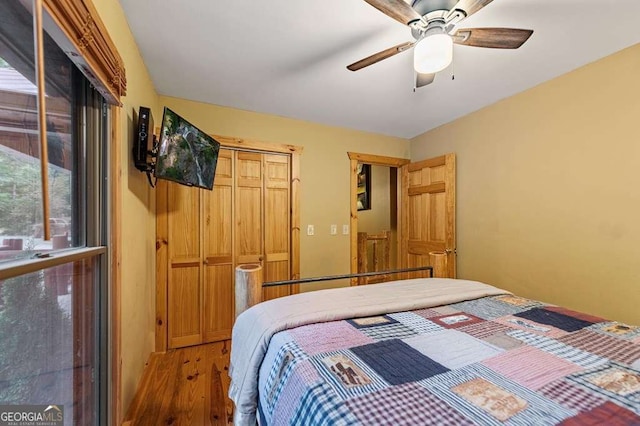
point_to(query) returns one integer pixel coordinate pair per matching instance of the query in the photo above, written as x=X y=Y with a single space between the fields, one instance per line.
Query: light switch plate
x=310 y=230
x=345 y=229
x=334 y=229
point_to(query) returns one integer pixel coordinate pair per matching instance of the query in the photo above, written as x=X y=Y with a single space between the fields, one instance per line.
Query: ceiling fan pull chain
x=453 y=64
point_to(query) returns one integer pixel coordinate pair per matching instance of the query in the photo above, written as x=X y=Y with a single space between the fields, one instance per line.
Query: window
x=53 y=293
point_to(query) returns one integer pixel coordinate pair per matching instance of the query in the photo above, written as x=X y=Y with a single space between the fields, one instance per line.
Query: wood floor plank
x=185 y=386
x=217 y=411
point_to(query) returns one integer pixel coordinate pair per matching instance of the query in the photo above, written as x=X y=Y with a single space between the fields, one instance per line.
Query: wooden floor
x=185 y=386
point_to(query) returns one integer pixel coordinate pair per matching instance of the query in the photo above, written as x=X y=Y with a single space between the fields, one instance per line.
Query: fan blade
x=397 y=9
x=377 y=57
x=471 y=6
x=497 y=38
x=424 y=79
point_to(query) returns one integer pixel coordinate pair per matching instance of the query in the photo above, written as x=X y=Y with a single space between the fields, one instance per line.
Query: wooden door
x=218 y=288
x=428 y=198
x=277 y=219
x=184 y=305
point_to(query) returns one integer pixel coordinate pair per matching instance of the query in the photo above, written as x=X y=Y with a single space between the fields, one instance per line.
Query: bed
x=431 y=351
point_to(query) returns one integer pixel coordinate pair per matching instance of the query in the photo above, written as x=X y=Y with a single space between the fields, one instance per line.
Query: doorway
x=382 y=211
x=426 y=212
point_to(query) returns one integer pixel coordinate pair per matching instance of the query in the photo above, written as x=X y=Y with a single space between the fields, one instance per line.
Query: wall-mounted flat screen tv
x=186 y=154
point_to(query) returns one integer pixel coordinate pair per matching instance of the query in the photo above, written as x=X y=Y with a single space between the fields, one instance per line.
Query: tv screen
x=186 y=154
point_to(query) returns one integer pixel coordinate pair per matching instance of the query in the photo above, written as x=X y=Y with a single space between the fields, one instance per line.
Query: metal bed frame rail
x=249 y=282
x=344 y=276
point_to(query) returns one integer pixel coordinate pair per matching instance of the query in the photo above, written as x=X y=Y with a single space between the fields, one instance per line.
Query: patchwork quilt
x=494 y=360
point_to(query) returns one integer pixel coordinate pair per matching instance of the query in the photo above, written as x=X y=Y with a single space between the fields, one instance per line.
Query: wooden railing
x=376 y=245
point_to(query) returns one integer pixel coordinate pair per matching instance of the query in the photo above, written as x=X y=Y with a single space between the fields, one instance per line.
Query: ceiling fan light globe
x=433 y=53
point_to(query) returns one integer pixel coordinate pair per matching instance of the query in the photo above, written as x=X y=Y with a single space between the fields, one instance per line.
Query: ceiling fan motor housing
x=435 y=14
x=425 y=7
x=435 y=26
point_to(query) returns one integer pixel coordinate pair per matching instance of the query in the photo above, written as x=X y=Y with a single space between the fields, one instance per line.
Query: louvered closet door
x=277 y=219
x=184 y=295
x=218 y=289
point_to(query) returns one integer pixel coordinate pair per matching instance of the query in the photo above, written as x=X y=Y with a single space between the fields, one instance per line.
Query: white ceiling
x=289 y=58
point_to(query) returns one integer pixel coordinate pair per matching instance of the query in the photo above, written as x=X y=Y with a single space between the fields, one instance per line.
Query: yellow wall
x=324 y=169
x=548 y=202
x=138 y=211
x=378 y=218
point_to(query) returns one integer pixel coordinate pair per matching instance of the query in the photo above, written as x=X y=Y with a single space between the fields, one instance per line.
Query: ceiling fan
x=432 y=24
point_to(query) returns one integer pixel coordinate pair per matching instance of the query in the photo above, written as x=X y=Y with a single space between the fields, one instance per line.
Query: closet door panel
x=248 y=208
x=183 y=211
x=184 y=306
x=184 y=279
x=277 y=223
x=218 y=302
x=218 y=297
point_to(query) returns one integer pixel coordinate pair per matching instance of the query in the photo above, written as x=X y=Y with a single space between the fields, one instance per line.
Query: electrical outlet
x=345 y=229
x=334 y=229
x=310 y=230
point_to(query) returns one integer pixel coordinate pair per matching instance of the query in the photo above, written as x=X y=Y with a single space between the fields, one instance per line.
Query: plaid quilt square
x=608 y=414
x=320 y=407
x=606 y=346
x=427 y=313
x=541 y=368
x=398 y=363
x=484 y=329
x=408 y=404
x=570 y=396
x=329 y=336
x=614 y=381
x=416 y=323
x=577 y=356
x=347 y=374
x=556 y=319
x=530 y=326
x=491 y=308
x=452 y=348
x=291 y=394
x=286 y=359
x=490 y=399
x=395 y=330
